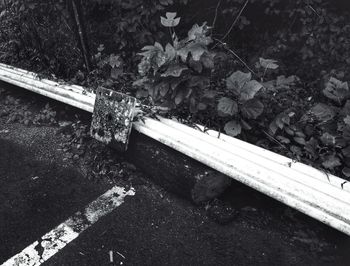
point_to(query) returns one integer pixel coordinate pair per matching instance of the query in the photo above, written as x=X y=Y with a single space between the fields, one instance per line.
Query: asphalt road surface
x=51 y=209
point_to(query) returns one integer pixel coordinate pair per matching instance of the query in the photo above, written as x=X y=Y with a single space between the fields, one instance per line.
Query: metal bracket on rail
x=112 y=118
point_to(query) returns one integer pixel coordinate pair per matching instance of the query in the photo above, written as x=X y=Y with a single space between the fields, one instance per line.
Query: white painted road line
x=55 y=240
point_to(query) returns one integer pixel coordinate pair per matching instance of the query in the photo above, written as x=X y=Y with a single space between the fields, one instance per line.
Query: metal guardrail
x=322 y=196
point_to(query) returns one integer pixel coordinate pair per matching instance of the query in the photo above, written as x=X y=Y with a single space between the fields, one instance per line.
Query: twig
x=121 y=255
x=275 y=140
x=216 y=14
x=237 y=56
x=313 y=10
x=235 y=21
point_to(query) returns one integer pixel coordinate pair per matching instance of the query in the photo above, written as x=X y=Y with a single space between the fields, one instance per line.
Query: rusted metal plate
x=112 y=118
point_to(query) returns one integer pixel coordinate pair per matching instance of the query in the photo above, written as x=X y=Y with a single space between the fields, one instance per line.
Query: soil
x=40 y=188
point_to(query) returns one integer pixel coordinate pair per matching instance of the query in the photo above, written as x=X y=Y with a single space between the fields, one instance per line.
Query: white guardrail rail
x=322 y=196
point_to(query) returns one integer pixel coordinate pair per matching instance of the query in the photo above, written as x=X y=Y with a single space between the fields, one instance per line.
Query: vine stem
x=216 y=14
x=236 y=55
x=236 y=19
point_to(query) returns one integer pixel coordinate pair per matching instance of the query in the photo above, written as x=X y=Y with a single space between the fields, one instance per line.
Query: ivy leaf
x=170 y=20
x=233 y=128
x=227 y=107
x=346 y=108
x=336 y=90
x=268 y=63
x=251 y=109
x=237 y=80
x=249 y=90
x=174 y=70
x=331 y=162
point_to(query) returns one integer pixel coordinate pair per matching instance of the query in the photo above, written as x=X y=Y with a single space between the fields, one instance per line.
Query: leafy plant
x=177 y=73
x=323 y=131
x=243 y=104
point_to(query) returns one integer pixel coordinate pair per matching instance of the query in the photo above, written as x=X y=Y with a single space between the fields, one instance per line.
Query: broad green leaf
x=346 y=133
x=180 y=96
x=115 y=61
x=236 y=81
x=249 y=90
x=158 y=46
x=328 y=139
x=198 y=34
x=282 y=139
x=346 y=152
x=202 y=106
x=347 y=120
x=207 y=60
x=141 y=93
x=331 y=162
x=163 y=88
x=201 y=82
x=268 y=63
x=196 y=65
x=195 y=49
x=174 y=70
x=193 y=105
x=300 y=140
x=286 y=82
x=170 y=52
x=233 y=128
x=170 y=15
x=116 y=72
x=346 y=108
x=251 y=109
x=322 y=112
x=346 y=171
x=227 y=107
x=336 y=90
x=170 y=20
x=279 y=122
x=210 y=94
